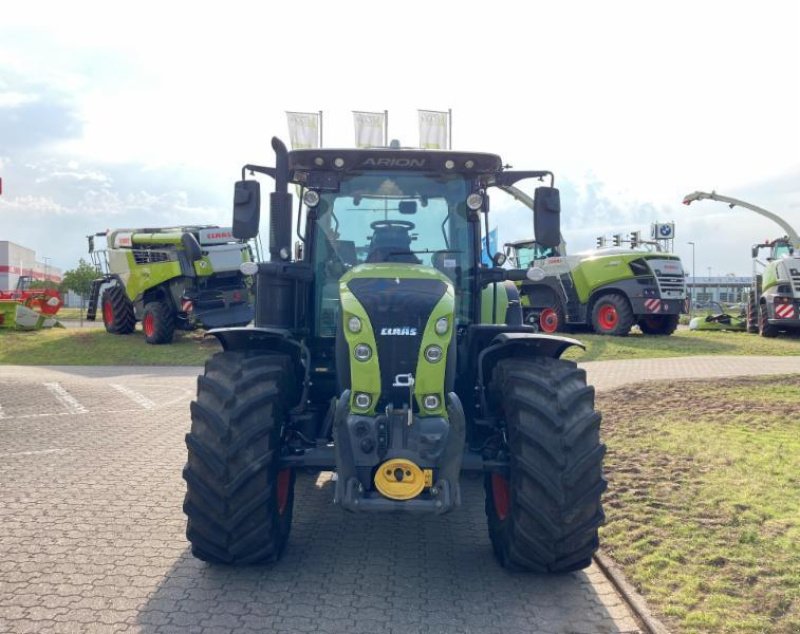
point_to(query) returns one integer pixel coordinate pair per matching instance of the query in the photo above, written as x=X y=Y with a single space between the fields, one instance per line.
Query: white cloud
x=631 y=104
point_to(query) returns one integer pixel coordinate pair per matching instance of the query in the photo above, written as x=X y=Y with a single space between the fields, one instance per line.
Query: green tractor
x=385 y=352
x=608 y=289
x=168 y=278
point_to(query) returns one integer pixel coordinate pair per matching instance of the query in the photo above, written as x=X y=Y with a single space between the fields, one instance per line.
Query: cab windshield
x=527 y=253
x=391 y=217
x=781 y=251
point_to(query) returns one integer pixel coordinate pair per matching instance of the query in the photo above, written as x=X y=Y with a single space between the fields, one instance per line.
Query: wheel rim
x=548 y=320
x=149 y=324
x=108 y=312
x=500 y=496
x=608 y=317
x=284 y=479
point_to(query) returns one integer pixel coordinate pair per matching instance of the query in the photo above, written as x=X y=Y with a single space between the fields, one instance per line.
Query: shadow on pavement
x=381 y=573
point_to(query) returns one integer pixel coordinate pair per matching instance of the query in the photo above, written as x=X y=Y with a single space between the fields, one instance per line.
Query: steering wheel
x=391 y=224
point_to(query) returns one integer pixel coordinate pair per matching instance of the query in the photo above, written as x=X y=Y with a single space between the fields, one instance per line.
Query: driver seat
x=391 y=244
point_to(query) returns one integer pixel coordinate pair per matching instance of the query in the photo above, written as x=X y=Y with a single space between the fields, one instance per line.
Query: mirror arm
x=269 y=171
x=507 y=179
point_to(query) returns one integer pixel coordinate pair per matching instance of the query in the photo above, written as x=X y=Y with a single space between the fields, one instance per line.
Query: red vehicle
x=47 y=301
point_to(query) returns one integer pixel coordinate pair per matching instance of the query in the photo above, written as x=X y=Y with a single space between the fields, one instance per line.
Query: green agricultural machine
x=168 y=278
x=609 y=289
x=385 y=352
x=773 y=301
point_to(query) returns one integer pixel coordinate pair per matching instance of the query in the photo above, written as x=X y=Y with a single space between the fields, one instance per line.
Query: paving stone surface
x=92 y=535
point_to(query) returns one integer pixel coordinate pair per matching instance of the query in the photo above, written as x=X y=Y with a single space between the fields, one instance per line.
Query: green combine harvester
x=609 y=289
x=168 y=278
x=385 y=351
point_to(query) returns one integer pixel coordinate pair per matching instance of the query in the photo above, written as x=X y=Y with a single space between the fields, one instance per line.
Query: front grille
x=795 y=273
x=150 y=256
x=671 y=283
x=397 y=306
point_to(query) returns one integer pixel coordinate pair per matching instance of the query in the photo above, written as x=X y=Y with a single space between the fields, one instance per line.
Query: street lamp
x=694 y=283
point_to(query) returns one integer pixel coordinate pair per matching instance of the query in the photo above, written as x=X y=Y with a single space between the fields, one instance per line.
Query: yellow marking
x=428 y=477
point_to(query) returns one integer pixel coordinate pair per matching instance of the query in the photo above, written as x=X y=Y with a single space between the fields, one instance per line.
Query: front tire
x=551 y=319
x=238 y=501
x=658 y=324
x=118 y=315
x=544 y=514
x=612 y=315
x=158 y=323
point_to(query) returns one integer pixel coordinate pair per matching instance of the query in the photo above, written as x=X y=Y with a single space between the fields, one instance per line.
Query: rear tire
x=118 y=315
x=752 y=315
x=158 y=323
x=765 y=329
x=238 y=502
x=545 y=515
x=612 y=315
x=659 y=324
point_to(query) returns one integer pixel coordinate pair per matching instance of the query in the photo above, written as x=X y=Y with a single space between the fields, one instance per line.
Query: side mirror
x=499 y=259
x=246 y=209
x=754 y=252
x=192 y=247
x=547 y=216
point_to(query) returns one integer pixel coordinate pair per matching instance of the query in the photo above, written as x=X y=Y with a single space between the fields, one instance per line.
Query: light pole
x=694 y=283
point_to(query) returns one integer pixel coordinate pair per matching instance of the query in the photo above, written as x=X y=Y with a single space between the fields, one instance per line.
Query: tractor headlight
x=362 y=352
x=362 y=400
x=474 y=201
x=248 y=268
x=433 y=354
x=441 y=326
x=431 y=401
x=310 y=198
x=354 y=324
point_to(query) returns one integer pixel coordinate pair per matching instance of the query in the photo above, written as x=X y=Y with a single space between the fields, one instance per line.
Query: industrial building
x=725 y=289
x=17 y=260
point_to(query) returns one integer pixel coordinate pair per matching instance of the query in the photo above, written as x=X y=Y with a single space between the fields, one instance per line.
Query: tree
x=80 y=281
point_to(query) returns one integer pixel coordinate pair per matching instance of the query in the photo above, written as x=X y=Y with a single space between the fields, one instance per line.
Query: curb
x=634 y=600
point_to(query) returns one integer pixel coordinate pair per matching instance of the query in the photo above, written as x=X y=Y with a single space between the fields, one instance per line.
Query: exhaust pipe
x=280 y=207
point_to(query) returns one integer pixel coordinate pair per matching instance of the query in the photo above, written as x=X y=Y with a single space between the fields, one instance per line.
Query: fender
x=276 y=340
x=518 y=344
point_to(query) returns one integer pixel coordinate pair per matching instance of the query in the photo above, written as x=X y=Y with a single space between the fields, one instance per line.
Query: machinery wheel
x=118 y=316
x=238 y=501
x=544 y=514
x=659 y=324
x=551 y=319
x=764 y=327
x=158 y=323
x=612 y=315
x=752 y=315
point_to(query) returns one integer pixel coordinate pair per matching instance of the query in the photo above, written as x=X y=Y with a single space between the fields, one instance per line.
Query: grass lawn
x=73 y=346
x=703 y=506
x=66 y=346
x=682 y=343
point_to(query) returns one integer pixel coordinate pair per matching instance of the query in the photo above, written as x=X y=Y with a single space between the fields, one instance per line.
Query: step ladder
x=94 y=298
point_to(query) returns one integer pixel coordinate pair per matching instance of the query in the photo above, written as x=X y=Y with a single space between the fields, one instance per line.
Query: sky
x=142 y=114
